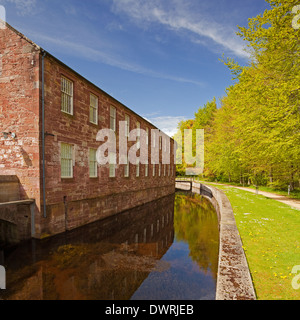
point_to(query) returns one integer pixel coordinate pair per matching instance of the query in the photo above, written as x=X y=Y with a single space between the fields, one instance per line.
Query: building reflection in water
x=113 y=259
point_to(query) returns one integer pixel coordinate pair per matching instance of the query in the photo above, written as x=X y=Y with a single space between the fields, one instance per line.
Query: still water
x=165 y=250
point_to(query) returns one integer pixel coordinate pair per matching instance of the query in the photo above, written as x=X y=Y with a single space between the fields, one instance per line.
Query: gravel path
x=291 y=202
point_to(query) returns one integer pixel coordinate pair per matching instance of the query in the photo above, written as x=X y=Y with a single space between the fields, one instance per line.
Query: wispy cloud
x=69 y=9
x=167 y=124
x=178 y=16
x=106 y=56
x=23 y=7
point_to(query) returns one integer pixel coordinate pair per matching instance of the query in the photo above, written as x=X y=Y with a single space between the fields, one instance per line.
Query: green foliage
x=255 y=135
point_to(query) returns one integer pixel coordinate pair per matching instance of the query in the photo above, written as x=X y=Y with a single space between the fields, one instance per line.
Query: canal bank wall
x=234 y=280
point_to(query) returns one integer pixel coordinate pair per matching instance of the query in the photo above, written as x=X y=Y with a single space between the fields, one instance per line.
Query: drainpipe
x=43 y=133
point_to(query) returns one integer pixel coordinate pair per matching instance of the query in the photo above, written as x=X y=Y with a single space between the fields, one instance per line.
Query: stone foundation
x=69 y=215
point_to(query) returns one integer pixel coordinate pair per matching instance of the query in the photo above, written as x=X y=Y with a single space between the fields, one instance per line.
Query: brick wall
x=81 y=199
x=9 y=188
x=19 y=112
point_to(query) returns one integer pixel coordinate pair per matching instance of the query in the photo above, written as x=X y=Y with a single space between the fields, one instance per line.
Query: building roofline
x=42 y=51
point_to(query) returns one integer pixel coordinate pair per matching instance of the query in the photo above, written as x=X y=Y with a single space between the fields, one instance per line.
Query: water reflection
x=193 y=256
x=133 y=255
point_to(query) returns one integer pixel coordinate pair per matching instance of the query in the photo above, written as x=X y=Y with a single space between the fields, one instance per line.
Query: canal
x=164 y=250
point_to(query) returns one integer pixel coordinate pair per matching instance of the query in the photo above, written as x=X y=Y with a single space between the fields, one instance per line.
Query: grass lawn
x=270 y=232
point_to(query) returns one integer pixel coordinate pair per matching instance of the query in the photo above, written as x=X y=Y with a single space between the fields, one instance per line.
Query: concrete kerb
x=234 y=280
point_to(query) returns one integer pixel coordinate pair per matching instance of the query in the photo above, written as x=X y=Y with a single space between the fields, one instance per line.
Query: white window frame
x=67 y=95
x=153 y=138
x=127 y=120
x=153 y=170
x=113 y=118
x=138 y=137
x=137 y=168
x=93 y=109
x=146 y=170
x=147 y=136
x=66 y=160
x=112 y=166
x=93 y=165
x=126 y=170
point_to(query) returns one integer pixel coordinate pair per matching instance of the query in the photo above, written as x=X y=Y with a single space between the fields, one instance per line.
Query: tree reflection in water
x=193 y=256
x=196 y=223
x=150 y=252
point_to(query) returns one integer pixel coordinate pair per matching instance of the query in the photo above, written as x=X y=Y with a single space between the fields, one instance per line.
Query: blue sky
x=158 y=57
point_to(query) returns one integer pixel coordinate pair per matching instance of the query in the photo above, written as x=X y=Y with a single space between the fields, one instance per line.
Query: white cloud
x=180 y=16
x=2 y=17
x=105 y=55
x=23 y=7
x=167 y=124
x=69 y=9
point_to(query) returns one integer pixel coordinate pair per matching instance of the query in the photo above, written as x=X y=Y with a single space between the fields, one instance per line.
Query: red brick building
x=50 y=116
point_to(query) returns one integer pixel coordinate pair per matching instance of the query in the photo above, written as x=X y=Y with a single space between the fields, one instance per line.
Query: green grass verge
x=295 y=194
x=270 y=232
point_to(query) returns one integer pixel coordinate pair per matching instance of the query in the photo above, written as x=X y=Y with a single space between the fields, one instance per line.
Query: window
x=153 y=138
x=146 y=170
x=66 y=160
x=137 y=168
x=93 y=163
x=138 y=126
x=93 y=109
x=160 y=142
x=147 y=136
x=126 y=170
x=66 y=95
x=164 y=170
x=113 y=116
x=153 y=170
x=127 y=120
x=159 y=170
x=138 y=138
x=112 y=166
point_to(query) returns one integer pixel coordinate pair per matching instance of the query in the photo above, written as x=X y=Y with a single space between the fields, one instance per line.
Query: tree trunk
x=271 y=176
x=292 y=183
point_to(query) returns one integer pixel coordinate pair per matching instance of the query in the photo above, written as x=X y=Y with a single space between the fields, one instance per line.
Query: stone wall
x=234 y=280
x=9 y=188
x=80 y=199
x=19 y=117
x=15 y=224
